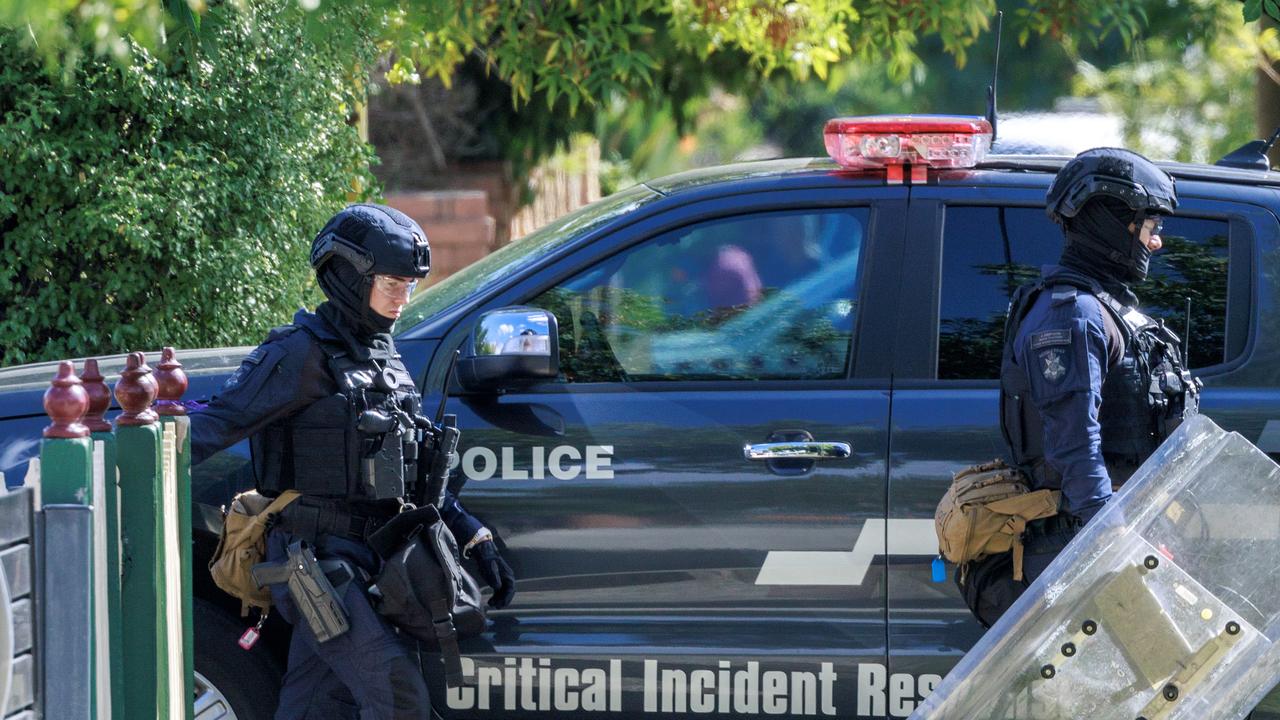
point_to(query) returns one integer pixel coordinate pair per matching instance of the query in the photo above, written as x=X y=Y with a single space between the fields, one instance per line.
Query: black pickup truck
x=671 y=563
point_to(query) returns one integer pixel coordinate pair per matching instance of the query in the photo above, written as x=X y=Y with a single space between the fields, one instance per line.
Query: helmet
x=1102 y=198
x=1111 y=172
x=358 y=243
x=375 y=239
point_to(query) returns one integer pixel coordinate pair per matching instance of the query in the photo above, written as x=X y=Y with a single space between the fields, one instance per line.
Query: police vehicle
x=762 y=376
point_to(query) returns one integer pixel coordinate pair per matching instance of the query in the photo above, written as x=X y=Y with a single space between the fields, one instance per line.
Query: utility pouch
x=311 y=589
x=985 y=512
x=242 y=544
x=423 y=589
x=382 y=472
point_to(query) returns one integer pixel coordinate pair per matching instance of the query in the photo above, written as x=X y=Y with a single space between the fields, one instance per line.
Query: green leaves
x=1253 y=10
x=173 y=203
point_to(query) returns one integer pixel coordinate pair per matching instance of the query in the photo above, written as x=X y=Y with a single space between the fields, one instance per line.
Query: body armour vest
x=1145 y=396
x=359 y=443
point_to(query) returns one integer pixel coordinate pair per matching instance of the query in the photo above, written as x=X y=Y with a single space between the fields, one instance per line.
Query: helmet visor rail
x=332 y=244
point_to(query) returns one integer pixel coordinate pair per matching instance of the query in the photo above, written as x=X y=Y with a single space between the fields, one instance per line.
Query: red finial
x=135 y=391
x=65 y=402
x=99 y=397
x=173 y=382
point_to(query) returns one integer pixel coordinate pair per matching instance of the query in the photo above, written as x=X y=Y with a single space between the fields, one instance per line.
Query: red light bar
x=941 y=141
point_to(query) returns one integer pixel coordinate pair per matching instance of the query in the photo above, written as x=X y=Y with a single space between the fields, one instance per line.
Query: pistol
x=310 y=589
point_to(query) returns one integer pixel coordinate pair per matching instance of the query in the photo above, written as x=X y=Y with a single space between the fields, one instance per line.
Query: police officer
x=1090 y=386
x=330 y=411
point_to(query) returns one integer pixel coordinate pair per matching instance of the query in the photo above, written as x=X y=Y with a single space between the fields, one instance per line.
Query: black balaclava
x=1100 y=244
x=347 y=309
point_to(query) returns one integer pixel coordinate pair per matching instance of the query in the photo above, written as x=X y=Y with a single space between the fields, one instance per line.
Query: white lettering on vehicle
x=562 y=462
x=561 y=685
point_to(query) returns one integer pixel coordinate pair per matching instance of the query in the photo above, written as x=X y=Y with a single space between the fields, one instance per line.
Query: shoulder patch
x=1053 y=363
x=250 y=365
x=1064 y=294
x=1049 y=338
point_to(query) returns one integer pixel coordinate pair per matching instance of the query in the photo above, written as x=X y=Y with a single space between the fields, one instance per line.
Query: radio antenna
x=995 y=74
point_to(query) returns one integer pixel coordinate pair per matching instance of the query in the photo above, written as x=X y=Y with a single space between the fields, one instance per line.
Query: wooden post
x=172 y=381
x=139 y=439
x=106 y=496
x=67 y=608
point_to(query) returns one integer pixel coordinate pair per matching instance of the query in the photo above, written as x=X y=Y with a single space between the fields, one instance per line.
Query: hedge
x=173 y=202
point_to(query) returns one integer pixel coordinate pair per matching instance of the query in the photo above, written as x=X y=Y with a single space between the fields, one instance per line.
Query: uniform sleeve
x=462 y=524
x=273 y=381
x=1066 y=361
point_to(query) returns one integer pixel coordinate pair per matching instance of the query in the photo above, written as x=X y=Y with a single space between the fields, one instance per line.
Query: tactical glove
x=497 y=573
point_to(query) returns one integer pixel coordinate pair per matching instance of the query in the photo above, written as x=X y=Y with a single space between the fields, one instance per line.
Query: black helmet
x=1111 y=172
x=1098 y=195
x=375 y=239
x=359 y=242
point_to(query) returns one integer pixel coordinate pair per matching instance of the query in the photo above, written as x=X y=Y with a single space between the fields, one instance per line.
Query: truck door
x=661 y=549
x=987 y=242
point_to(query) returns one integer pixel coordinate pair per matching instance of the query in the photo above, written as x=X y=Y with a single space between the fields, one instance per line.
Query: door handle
x=801 y=450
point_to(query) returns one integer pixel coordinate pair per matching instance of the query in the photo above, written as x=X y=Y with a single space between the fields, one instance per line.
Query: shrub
x=172 y=202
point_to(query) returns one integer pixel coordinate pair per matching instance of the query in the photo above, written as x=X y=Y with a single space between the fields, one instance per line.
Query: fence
x=561 y=185
x=95 y=554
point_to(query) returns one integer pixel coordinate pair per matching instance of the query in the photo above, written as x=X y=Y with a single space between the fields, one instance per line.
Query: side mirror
x=510 y=347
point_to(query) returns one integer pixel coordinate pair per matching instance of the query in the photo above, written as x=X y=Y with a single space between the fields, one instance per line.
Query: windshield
x=519 y=254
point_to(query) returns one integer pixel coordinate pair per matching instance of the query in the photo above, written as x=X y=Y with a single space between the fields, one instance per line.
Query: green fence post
x=139 y=441
x=106 y=495
x=172 y=381
x=66 y=457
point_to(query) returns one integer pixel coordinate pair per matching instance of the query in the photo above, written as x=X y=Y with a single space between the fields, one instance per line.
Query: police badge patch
x=1052 y=346
x=1053 y=364
x=246 y=366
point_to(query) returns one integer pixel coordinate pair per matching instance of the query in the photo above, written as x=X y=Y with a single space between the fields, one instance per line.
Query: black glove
x=497 y=573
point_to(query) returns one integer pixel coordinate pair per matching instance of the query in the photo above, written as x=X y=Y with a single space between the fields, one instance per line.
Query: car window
x=762 y=296
x=987 y=252
x=512 y=258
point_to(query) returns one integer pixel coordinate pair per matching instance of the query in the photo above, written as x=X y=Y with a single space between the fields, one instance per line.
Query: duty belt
x=309 y=517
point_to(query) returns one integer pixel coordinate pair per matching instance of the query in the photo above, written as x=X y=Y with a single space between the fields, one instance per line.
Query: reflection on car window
x=770 y=295
x=510 y=259
x=987 y=252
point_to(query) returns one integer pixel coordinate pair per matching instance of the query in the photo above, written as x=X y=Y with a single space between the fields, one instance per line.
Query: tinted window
x=987 y=252
x=771 y=295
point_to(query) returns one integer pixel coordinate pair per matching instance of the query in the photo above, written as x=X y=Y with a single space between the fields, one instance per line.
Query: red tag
x=249 y=637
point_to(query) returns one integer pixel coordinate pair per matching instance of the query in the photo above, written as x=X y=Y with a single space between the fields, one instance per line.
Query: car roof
x=816 y=169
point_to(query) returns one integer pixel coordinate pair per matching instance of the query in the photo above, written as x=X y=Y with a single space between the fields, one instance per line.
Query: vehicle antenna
x=995 y=74
x=1252 y=155
x=444 y=391
x=1186 y=339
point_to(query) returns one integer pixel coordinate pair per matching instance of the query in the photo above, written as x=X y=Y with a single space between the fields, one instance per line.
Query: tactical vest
x=1145 y=396
x=359 y=444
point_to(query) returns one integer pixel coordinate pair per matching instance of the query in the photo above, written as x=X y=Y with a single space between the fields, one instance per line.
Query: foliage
x=782 y=116
x=585 y=53
x=1183 y=94
x=171 y=202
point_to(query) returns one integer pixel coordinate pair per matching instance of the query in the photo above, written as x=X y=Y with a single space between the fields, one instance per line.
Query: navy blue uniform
x=282 y=376
x=1065 y=346
x=371 y=669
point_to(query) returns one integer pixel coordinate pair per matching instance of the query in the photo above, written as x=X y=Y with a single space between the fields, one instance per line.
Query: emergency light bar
x=921 y=141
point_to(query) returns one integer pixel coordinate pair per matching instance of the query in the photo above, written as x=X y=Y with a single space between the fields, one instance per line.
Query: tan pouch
x=985 y=511
x=243 y=544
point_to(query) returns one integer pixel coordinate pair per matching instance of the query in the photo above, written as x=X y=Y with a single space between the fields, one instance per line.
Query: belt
x=310 y=517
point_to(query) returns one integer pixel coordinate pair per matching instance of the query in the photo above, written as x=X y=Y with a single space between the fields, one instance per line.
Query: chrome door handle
x=803 y=450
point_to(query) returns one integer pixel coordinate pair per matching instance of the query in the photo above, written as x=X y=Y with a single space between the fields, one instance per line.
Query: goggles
x=1158 y=225
x=394 y=287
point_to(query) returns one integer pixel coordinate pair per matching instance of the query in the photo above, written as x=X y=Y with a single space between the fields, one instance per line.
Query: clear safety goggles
x=395 y=287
